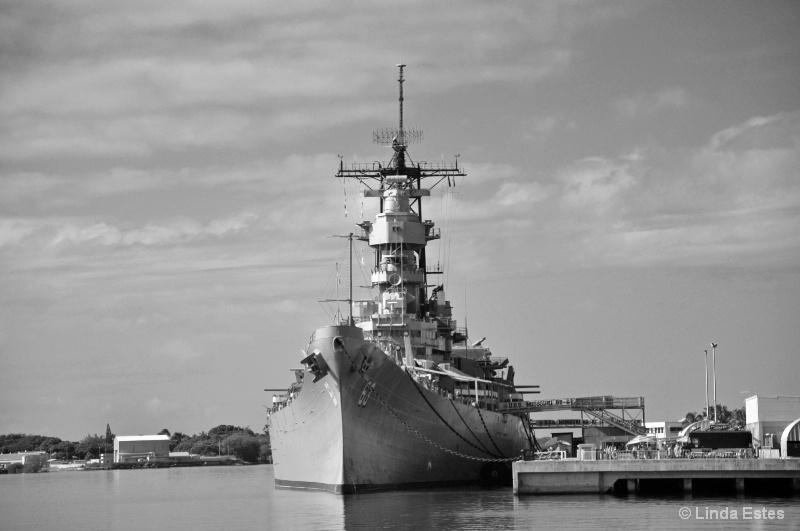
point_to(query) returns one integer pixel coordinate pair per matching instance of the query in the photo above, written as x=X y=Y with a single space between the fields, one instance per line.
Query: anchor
x=362 y=401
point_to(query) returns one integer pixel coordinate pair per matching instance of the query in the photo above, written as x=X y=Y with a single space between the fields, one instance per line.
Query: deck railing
x=631 y=455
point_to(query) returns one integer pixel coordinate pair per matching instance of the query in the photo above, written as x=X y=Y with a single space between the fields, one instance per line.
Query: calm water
x=233 y=498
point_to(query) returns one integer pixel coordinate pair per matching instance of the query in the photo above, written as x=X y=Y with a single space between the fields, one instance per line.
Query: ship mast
x=399 y=236
x=349 y=300
x=400 y=80
x=400 y=173
x=350 y=321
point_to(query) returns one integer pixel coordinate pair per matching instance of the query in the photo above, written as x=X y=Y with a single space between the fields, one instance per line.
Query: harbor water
x=244 y=497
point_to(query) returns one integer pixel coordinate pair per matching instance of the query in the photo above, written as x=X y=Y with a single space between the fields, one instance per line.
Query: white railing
x=551 y=455
x=631 y=455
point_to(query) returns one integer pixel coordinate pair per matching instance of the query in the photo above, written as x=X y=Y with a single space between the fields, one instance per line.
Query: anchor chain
x=445 y=422
x=453 y=403
x=420 y=435
x=487 y=429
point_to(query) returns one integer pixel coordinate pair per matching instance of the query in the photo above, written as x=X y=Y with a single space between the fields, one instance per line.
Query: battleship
x=395 y=395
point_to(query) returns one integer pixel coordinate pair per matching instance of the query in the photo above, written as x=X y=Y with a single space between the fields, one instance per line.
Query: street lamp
x=714 y=367
x=706 y=365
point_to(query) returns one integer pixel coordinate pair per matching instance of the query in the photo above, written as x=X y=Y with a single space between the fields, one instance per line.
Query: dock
x=571 y=476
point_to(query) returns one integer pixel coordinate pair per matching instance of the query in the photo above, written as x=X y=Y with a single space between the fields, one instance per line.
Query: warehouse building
x=768 y=416
x=135 y=448
x=23 y=458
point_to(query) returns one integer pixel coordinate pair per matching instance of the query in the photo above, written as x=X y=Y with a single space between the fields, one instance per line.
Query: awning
x=552 y=441
x=639 y=439
x=616 y=438
x=699 y=425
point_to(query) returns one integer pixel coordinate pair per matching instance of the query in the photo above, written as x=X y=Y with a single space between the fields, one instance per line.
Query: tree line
x=735 y=418
x=14 y=443
x=224 y=439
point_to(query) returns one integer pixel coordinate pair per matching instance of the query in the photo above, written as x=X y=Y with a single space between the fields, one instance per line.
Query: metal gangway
x=626 y=414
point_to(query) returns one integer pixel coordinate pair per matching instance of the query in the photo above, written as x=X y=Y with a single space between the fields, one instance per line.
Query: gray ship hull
x=366 y=424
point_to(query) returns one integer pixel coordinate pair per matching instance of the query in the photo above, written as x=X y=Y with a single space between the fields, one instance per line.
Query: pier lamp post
x=714 y=368
x=706 y=365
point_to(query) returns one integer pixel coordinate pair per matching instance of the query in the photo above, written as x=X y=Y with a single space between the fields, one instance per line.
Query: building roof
x=19 y=456
x=142 y=437
x=772 y=397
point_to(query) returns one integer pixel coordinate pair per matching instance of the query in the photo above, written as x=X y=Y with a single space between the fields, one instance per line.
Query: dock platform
x=626 y=476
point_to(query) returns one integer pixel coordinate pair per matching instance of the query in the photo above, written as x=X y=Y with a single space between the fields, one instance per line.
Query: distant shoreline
x=208 y=461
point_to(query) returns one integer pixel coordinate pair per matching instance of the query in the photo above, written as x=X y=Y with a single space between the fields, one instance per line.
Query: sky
x=168 y=200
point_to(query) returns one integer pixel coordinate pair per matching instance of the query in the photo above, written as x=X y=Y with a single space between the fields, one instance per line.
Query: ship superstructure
x=395 y=396
x=404 y=316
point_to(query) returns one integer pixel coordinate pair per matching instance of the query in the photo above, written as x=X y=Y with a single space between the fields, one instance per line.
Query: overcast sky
x=167 y=195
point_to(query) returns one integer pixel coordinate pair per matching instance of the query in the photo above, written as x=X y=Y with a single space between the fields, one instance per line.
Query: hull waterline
x=360 y=430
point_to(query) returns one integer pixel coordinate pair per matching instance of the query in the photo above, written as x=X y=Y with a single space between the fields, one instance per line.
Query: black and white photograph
x=325 y=265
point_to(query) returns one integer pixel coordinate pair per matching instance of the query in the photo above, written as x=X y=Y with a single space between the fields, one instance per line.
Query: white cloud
x=180 y=349
x=79 y=232
x=776 y=132
x=547 y=127
x=47 y=191
x=514 y=193
x=667 y=98
x=148 y=77
x=595 y=185
x=15 y=187
x=98 y=232
x=733 y=201
x=156 y=407
x=13 y=231
x=483 y=172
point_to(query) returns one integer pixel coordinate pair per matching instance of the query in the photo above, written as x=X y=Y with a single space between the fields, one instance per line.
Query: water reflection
x=457 y=508
x=205 y=499
x=295 y=509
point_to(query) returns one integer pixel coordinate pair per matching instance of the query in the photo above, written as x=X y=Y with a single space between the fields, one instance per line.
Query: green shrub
x=33 y=466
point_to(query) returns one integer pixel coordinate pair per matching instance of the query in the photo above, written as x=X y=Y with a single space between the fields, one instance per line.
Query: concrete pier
x=608 y=476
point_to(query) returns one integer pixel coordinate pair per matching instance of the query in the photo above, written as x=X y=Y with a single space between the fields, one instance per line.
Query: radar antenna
x=400 y=138
x=399 y=172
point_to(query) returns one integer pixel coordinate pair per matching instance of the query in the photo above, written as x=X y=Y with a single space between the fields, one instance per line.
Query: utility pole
x=706 y=365
x=714 y=366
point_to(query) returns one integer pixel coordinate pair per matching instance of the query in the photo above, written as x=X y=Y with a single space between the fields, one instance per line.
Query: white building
x=664 y=429
x=768 y=416
x=141 y=447
x=6 y=460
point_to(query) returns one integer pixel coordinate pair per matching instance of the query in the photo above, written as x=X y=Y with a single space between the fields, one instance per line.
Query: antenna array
x=396 y=137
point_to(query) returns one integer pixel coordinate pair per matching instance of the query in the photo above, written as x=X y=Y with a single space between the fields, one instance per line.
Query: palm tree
x=693 y=416
x=738 y=419
x=723 y=414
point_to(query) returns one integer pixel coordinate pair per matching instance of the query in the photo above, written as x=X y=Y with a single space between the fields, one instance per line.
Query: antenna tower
x=398 y=138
